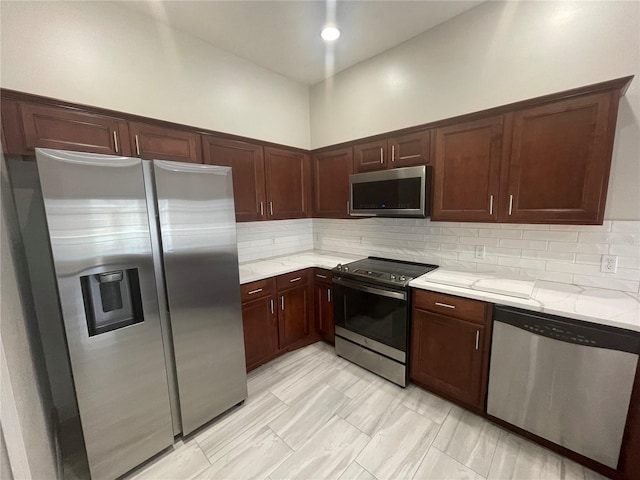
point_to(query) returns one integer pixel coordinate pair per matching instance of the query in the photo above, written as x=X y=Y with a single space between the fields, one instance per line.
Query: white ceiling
x=284 y=36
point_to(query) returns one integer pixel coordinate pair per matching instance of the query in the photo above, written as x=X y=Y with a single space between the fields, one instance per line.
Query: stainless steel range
x=371 y=312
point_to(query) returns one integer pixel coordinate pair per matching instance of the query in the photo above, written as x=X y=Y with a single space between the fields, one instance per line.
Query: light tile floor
x=313 y=415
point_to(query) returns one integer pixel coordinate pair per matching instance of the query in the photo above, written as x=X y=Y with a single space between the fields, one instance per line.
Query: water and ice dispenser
x=111 y=300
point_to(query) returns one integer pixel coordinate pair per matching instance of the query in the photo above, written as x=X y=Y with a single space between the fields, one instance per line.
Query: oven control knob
x=345 y=268
x=392 y=276
x=339 y=267
x=403 y=278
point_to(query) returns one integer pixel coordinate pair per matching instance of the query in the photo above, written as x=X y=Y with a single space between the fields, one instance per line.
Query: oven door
x=374 y=317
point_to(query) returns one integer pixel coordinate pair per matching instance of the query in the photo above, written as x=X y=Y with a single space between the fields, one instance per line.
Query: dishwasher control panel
x=565 y=334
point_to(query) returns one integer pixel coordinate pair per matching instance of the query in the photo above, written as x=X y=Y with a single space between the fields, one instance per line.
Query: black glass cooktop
x=383 y=270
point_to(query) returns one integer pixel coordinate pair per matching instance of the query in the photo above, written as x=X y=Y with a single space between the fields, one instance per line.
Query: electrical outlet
x=479 y=251
x=609 y=263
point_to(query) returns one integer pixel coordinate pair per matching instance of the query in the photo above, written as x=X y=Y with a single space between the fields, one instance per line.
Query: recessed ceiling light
x=330 y=33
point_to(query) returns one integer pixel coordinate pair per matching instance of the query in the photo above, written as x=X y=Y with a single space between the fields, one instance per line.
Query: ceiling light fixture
x=330 y=33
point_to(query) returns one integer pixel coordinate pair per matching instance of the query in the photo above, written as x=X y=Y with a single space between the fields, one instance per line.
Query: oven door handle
x=368 y=289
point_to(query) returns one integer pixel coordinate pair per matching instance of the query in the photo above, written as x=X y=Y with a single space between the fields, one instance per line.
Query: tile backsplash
x=258 y=240
x=560 y=253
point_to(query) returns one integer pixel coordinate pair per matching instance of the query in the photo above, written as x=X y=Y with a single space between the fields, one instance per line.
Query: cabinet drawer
x=322 y=275
x=292 y=279
x=258 y=289
x=463 y=308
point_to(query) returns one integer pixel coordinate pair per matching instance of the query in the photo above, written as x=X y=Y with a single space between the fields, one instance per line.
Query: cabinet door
x=66 y=129
x=331 y=172
x=371 y=156
x=293 y=315
x=447 y=355
x=247 y=163
x=324 y=311
x=160 y=143
x=288 y=177
x=560 y=158
x=467 y=171
x=260 y=323
x=410 y=150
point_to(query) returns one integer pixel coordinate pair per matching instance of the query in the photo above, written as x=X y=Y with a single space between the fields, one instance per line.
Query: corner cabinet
x=247 y=163
x=288 y=180
x=331 y=172
x=450 y=341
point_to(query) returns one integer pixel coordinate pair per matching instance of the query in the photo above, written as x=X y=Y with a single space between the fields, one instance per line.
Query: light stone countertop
x=596 y=305
x=260 y=269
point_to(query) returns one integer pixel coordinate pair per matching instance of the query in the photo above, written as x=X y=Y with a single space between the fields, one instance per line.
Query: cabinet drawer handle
x=271 y=208
x=320 y=276
x=477 y=339
x=445 y=305
x=381 y=155
x=347 y=208
x=137 y=145
x=407 y=157
x=510 y=204
x=491 y=205
x=261 y=209
x=393 y=153
x=329 y=295
x=271 y=304
x=282 y=303
x=115 y=141
x=295 y=279
x=257 y=290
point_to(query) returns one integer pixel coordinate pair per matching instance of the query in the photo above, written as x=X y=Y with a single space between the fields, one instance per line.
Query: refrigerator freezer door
x=98 y=227
x=198 y=230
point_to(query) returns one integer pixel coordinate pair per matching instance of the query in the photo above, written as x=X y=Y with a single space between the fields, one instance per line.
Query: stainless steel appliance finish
x=97 y=220
x=147 y=271
x=197 y=223
x=383 y=366
x=541 y=365
x=397 y=192
x=371 y=312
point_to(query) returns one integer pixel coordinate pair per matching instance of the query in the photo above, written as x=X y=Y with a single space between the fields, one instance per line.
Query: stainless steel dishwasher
x=564 y=380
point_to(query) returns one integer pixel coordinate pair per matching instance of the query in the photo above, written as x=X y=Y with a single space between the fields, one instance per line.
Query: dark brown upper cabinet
x=161 y=143
x=331 y=172
x=559 y=161
x=69 y=129
x=467 y=171
x=247 y=163
x=370 y=156
x=288 y=184
x=400 y=151
x=410 y=150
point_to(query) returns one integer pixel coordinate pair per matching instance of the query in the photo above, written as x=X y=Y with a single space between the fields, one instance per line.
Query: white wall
x=103 y=54
x=495 y=54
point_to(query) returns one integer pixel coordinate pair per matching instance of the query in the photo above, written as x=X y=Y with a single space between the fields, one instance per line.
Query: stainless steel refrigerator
x=146 y=264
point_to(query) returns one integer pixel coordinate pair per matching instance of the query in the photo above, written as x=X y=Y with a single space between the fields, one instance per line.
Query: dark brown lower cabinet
x=260 y=323
x=323 y=303
x=449 y=355
x=277 y=315
x=293 y=315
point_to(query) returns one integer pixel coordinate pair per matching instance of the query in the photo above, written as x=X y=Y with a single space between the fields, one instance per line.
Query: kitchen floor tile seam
x=503 y=434
x=470 y=468
x=355 y=461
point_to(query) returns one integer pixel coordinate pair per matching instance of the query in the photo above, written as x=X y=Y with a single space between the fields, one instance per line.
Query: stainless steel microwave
x=397 y=192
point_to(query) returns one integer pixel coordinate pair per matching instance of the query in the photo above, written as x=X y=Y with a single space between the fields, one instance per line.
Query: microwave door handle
x=368 y=289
